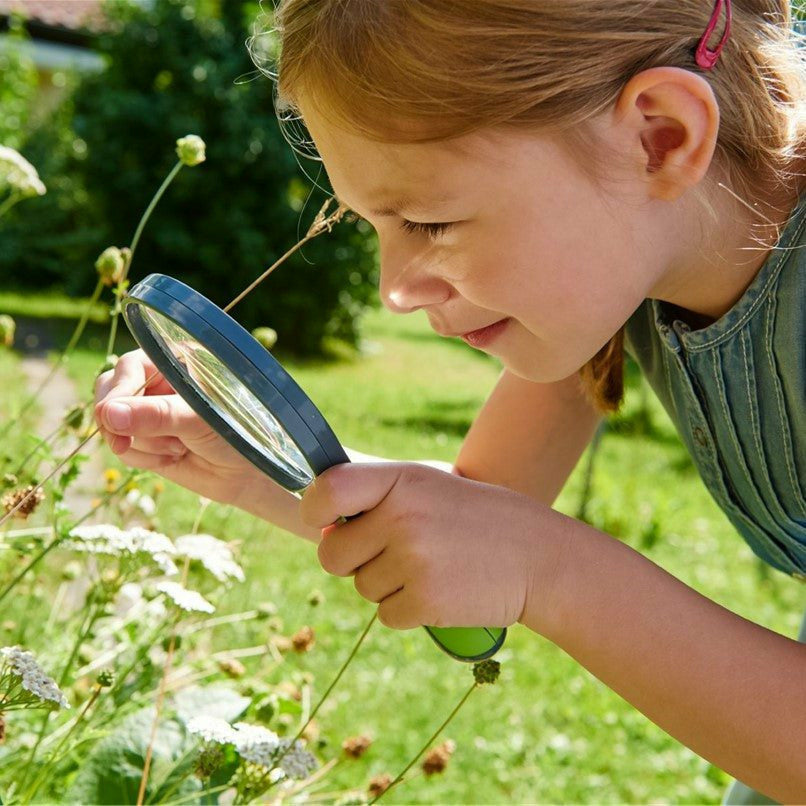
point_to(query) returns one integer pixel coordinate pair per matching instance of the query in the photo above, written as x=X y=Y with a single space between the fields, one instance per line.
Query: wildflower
x=32 y=497
x=356 y=746
x=111 y=265
x=19 y=668
x=214 y=554
x=111 y=477
x=106 y=678
x=265 y=336
x=438 y=758
x=190 y=150
x=7 y=328
x=379 y=784
x=303 y=639
x=315 y=598
x=19 y=174
x=136 y=541
x=212 y=729
x=145 y=503
x=297 y=762
x=486 y=671
x=185 y=599
x=256 y=743
x=231 y=667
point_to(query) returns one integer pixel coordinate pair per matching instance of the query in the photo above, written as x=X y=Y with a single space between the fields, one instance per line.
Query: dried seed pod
x=356 y=746
x=438 y=757
x=303 y=639
x=378 y=784
x=30 y=495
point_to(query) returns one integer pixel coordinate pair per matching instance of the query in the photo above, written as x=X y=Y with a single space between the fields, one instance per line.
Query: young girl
x=554 y=182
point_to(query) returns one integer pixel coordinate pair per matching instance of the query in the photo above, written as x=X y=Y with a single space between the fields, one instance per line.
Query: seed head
x=190 y=150
x=438 y=757
x=106 y=678
x=231 y=667
x=7 y=328
x=265 y=336
x=378 y=784
x=303 y=640
x=486 y=671
x=111 y=265
x=32 y=500
x=356 y=746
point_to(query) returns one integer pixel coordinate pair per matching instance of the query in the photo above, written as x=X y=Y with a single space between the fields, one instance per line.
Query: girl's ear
x=671 y=119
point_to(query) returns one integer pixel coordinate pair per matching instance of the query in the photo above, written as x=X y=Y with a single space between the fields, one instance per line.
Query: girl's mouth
x=484 y=336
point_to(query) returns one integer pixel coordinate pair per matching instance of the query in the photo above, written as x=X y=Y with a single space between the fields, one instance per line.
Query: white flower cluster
x=108 y=539
x=22 y=664
x=185 y=599
x=145 y=503
x=256 y=744
x=214 y=554
x=19 y=174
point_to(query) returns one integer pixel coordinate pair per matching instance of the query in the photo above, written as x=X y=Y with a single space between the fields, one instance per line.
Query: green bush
x=172 y=70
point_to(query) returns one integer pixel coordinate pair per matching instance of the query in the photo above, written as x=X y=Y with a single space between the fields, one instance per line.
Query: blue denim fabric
x=736 y=392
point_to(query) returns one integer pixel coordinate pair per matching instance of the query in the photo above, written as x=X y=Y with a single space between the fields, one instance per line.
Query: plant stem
x=290 y=745
x=427 y=744
x=135 y=240
x=9 y=202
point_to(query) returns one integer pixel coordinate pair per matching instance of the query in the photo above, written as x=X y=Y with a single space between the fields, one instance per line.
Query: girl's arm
x=529 y=436
x=731 y=690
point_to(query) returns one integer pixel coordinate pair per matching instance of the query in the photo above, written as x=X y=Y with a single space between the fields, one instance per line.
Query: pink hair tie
x=704 y=57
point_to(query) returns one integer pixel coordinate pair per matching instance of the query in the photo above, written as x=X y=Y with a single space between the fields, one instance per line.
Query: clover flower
x=214 y=554
x=109 y=539
x=19 y=668
x=185 y=599
x=190 y=150
x=19 y=174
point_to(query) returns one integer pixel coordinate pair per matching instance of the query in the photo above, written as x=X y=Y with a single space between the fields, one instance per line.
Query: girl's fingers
x=150 y=461
x=152 y=416
x=130 y=373
x=163 y=446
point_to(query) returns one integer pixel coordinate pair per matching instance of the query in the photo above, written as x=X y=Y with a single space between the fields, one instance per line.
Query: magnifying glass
x=240 y=390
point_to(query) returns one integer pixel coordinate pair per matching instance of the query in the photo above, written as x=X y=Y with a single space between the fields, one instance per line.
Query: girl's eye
x=432 y=230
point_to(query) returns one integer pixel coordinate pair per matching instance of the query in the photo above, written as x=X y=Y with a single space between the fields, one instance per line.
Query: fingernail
x=118 y=415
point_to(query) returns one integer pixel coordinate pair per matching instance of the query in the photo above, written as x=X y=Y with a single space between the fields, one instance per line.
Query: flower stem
x=110 y=346
x=428 y=743
x=10 y=202
x=290 y=745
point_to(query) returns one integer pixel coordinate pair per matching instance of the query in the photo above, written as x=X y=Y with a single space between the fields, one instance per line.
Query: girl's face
x=501 y=226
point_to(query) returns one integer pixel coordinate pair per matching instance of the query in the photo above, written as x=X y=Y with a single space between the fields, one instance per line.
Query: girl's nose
x=408 y=283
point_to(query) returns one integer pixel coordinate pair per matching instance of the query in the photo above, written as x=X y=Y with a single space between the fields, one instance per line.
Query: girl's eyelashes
x=431 y=230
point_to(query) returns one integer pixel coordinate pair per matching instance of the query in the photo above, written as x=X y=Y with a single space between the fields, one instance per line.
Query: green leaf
x=217 y=700
x=113 y=771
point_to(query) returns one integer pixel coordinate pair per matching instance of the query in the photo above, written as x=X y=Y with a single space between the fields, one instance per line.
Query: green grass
x=51 y=304
x=548 y=731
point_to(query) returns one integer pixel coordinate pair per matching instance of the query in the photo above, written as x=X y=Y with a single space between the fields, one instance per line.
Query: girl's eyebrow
x=410 y=205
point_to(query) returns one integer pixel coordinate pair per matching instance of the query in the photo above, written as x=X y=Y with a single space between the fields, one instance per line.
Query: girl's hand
x=431 y=548
x=154 y=429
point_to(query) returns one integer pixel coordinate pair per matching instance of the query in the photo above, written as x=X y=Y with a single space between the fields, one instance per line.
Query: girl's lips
x=484 y=336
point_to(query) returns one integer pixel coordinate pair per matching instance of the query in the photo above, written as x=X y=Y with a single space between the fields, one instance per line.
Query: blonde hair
x=425 y=70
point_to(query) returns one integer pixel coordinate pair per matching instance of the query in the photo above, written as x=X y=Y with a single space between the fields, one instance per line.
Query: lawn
x=548 y=731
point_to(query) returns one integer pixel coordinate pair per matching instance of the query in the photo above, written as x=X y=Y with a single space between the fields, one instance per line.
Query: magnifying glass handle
x=468 y=644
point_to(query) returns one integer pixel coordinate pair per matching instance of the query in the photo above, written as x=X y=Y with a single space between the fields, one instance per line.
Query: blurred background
x=94 y=93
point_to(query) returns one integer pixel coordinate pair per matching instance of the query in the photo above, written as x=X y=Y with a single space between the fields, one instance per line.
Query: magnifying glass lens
x=232 y=401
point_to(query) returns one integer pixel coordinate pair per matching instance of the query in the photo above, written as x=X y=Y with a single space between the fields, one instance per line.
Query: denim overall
x=736 y=392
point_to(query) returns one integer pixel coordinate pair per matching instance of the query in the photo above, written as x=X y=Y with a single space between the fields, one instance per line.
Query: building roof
x=68 y=15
